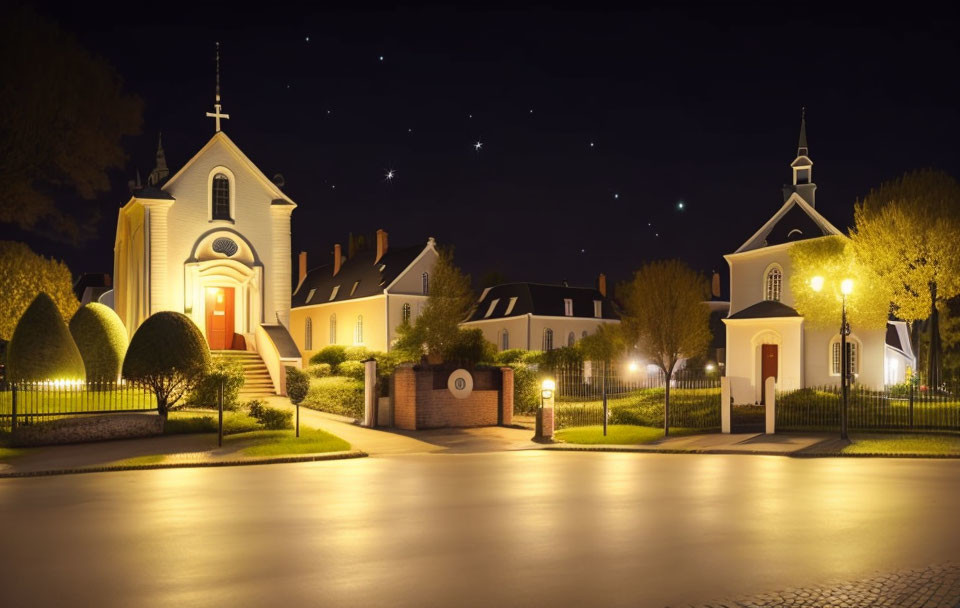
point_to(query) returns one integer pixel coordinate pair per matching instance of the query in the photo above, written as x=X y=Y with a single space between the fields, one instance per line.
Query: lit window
x=571 y=339
x=568 y=307
x=510 y=305
x=504 y=340
x=221 y=197
x=598 y=308
x=773 y=285
x=547 y=339
x=405 y=313
x=425 y=279
x=358 y=330
x=310 y=295
x=308 y=335
x=333 y=294
x=493 y=305
x=353 y=289
x=333 y=329
x=851 y=355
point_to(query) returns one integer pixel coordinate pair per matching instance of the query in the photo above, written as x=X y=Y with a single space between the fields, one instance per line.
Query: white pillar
x=770 y=391
x=724 y=404
x=156 y=212
x=278 y=276
x=370 y=393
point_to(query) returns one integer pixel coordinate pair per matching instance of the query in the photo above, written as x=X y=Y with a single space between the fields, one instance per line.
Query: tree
x=64 y=115
x=436 y=332
x=298 y=384
x=168 y=356
x=906 y=231
x=41 y=347
x=604 y=345
x=102 y=340
x=665 y=315
x=834 y=259
x=24 y=275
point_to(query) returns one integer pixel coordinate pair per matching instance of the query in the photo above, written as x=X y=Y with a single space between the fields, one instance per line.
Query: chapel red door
x=219 y=313
x=768 y=368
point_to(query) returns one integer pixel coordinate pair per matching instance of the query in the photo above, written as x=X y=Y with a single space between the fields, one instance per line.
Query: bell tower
x=802 y=167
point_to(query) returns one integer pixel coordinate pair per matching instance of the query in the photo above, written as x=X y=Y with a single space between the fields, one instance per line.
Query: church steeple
x=160 y=170
x=802 y=168
x=217 y=114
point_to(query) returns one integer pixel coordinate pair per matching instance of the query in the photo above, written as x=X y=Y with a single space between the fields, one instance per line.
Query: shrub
x=298 y=383
x=169 y=356
x=221 y=369
x=42 y=347
x=352 y=369
x=101 y=339
x=470 y=348
x=271 y=418
x=337 y=395
x=357 y=353
x=331 y=355
x=23 y=275
x=526 y=388
x=532 y=357
x=320 y=370
x=511 y=355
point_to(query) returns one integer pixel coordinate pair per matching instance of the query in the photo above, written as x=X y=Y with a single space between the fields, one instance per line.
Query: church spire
x=160 y=170
x=217 y=114
x=802 y=146
x=802 y=168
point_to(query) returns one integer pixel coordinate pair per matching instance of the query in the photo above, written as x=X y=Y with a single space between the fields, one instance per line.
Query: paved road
x=525 y=528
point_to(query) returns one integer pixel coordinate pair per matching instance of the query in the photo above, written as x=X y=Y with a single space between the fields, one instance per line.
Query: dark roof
x=893 y=337
x=371 y=279
x=542 y=300
x=795 y=225
x=286 y=347
x=153 y=193
x=767 y=309
x=717 y=329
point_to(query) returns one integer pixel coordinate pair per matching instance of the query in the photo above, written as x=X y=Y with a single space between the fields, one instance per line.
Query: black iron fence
x=25 y=403
x=901 y=407
x=635 y=396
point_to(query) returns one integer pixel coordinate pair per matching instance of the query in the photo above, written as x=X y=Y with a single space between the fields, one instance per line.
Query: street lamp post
x=846 y=288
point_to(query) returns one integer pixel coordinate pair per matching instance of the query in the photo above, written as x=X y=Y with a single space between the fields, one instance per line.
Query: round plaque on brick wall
x=460 y=384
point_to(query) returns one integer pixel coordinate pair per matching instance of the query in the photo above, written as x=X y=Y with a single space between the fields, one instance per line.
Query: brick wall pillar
x=405 y=398
x=506 y=396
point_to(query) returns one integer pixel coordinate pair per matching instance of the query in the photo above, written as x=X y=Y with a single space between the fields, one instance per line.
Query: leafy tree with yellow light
x=834 y=260
x=24 y=275
x=665 y=315
x=907 y=231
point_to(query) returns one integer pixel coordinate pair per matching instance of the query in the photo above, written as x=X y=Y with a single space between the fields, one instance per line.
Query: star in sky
x=616 y=195
x=591 y=144
x=381 y=57
x=307 y=38
x=478 y=145
x=390 y=174
x=681 y=205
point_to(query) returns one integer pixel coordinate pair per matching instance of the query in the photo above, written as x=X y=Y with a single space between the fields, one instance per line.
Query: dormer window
x=598 y=309
x=220 y=197
x=567 y=307
x=353 y=289
x=510 y=305
x=333 y=294
x=493 y=305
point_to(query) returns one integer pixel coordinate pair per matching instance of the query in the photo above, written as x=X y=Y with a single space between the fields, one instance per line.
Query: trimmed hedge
x=272 y=418
x=41 y=347
x=221 y=368
x=320 y=370
x=337 y=395
x=357 y=353
x=352 y=369
x=331 y=355
x=101 y=339
x=298 y=383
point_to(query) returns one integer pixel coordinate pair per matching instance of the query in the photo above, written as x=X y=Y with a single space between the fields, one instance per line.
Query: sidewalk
x=715 y=443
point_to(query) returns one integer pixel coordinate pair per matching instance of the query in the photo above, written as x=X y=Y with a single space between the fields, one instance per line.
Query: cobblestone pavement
x=931 y=587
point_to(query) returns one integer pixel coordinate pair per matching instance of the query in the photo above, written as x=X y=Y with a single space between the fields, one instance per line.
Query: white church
x=211 y=242
x=766 y=336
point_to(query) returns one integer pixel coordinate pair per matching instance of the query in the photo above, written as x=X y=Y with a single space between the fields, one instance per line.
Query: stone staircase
x=257 y=383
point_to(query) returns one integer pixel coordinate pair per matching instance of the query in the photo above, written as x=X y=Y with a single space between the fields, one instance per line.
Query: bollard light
x=547 y=388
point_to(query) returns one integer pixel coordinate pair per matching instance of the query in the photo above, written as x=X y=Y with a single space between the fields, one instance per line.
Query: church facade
x=766 y=336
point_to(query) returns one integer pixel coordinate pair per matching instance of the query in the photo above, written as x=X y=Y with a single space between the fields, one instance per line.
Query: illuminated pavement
x=522 y=528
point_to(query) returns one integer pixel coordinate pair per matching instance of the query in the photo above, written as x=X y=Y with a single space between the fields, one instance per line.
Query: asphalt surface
x=523 y=528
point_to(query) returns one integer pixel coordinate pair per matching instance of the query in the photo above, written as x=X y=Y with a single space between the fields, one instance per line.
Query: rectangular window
x=493 y=305
x=598 y=309
x=510 y=305
x=333 y=294
x=851 y=358
x=568 y=307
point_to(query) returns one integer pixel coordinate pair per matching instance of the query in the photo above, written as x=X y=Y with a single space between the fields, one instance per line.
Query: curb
x=795 y=454
x=187 y=465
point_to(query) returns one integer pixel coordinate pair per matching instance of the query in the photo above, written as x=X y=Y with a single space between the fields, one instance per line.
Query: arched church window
x=547 y=339
x=358 y=331
x=853 y=356
x=333 y=329
x=426 y=283
x=505 y=340
x=308 y=334
x=221 y=197
x=773 y=284
x=405 y=313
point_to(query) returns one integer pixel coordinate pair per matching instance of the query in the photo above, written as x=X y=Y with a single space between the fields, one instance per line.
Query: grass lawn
x=879 y=443
x=283 y=443
x=205 y=421
x=617 y=434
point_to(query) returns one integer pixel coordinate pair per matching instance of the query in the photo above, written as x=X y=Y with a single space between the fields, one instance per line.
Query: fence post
x=771 y=395
x=604 y=398
x=220 y=423
x=370 y=393
x=13 y=409
x=724 y=404
x=911 y=403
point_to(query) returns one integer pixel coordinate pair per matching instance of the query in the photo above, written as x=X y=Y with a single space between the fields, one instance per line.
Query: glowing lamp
x=547 y=388
x=633 y=367
x=709 y=367
x=817 y=283
x=846 y=286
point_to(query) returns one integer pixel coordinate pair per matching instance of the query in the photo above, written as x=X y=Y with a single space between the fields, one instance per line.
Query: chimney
x=337 y=259
x=715 y=285
x=381 y=244
x=602 y=284
x=303 y=267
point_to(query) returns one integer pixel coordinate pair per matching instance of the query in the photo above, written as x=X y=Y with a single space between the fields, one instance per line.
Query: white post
x=370 y=393
x=724 y=404
x=770 y=391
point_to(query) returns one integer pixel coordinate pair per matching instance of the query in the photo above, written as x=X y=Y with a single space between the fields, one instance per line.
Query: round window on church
x=225 y=246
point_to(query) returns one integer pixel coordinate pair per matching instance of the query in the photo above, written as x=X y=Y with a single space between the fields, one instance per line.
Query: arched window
x=547 y=339
x=584 y=334
x=425 y=278
x=773 y=284
x=220 y=197
x=504 y=340
x=308 y=334
x=358 y=331
x=333 y=329
x=405 y=313
x=571 y=339
x=853 y=356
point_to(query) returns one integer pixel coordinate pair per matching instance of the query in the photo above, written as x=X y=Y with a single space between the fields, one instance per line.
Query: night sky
x=594 y=126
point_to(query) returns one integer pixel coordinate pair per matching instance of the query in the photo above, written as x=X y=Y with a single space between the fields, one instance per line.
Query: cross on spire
x=217 y=114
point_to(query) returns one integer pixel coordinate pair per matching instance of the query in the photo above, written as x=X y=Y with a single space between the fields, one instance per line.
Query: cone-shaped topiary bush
x=41 y=347
x=102 y=340
x=168 y=355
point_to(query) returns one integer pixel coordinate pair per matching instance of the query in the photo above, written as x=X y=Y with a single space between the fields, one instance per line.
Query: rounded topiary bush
x=298 y=383
x=168 y=355
x=331 y=355
x=352 y=369
x=41 y=347
x=101 y=339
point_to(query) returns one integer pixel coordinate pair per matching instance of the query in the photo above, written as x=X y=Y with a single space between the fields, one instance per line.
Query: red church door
x=768 y=368
x=219 y=312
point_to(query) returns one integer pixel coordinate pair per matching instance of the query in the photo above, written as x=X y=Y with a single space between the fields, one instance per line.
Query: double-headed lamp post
x=846 y=288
